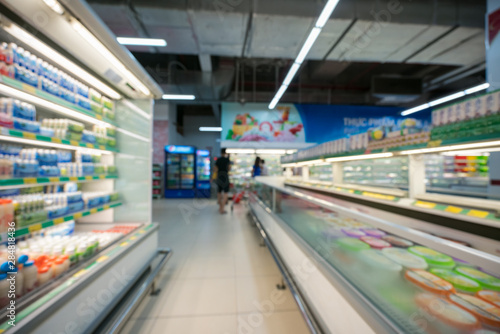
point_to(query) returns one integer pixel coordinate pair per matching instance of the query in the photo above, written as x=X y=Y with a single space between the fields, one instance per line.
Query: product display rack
x=45 y=141
x=157 y=181
x=361 y=260
x=84 y=106
x=25 y=88
x=391 y=173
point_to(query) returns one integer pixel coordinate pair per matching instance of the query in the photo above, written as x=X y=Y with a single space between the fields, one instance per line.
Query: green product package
x=352 y=244
x=486 y=281
x=459 y=281
x=432 y=257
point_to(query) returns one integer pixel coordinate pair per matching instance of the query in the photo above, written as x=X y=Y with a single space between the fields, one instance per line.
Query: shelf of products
x=402 y=274
x=53 y=222
x=32 y=181
x=58 y=130
x=390 y=173
x=157 y=180
x=321 y=173
x=457 y=174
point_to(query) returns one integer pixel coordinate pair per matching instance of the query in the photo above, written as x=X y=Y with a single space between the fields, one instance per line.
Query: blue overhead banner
x=291 y=124
x=323 y=123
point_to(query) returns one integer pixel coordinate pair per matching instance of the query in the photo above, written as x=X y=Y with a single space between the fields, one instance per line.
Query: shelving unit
x=157 y=181
x=78 y=76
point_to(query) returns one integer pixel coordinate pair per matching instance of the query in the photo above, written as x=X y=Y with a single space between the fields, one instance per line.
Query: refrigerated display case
x=180 y=171
x=389 y=173
x=462 y=175
x=157 y=180
x=203 y=167
x=356 y=273
x=321 y=173
x=80 y=144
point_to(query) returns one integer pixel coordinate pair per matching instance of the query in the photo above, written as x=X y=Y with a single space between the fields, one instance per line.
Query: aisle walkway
x=219 y=281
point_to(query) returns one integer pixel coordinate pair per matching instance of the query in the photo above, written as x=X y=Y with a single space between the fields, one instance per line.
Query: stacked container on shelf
x=20 y=64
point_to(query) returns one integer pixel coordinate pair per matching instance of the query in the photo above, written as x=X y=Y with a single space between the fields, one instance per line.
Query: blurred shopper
x=263 y=168
x=256 y=170
x=222 y=168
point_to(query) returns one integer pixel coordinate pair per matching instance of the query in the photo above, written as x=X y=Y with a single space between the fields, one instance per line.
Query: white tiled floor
x=219 y=280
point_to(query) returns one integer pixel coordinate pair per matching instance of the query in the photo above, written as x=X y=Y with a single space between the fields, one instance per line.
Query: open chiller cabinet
x=69 y=37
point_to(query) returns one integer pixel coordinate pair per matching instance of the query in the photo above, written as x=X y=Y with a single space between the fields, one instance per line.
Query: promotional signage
x=254 y=123
x=179 y=149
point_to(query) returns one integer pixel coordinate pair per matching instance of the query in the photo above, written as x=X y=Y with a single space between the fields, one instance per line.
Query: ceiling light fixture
x=210 y=129
x=15 y=93
x=60 y=60
x=445 y=99
x=109 y=56
x=308 y=44
x=178 y=97
x=141 y=41
x=55 y=6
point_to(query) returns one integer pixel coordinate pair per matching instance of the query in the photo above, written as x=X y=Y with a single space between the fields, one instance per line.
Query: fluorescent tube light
x=415 y=109
x=60 y=60
x=270 y=151
x=210 y=128
x=141 y=41
x=326 y=13
x=103 y=50
x=361 y=157
x=50 y=144
x=482 y=151
x=291 y=73
x=277 y=97
x=313 y=35
x=289 y=165
x=240 y=151
x=178 y=97
x=452 y=147
x=477 y=88
x=291 y=151
x=55 y=6
x=446 y=99
x=15 y=93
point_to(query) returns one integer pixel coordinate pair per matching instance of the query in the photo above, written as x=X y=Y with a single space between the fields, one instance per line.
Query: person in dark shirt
x=222 y=168
x=256 y=170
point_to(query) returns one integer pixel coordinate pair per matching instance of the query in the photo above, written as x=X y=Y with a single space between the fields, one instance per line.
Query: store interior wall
x=192 y=136
x=160 y=131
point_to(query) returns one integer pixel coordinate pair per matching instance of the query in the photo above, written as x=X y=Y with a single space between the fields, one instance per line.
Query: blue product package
x=84 y=103
x=25 y=125
x=74 y=197
x=75 y=206
x=86 y=158
x=94 y=202
x=47 y=171
x=88 y=169
x=64 y=156
x=47 y=132
x=88 y=138
x=49 y=159
x=9 y=192
x=55 y=213
x=106 y=199
x=25 y=169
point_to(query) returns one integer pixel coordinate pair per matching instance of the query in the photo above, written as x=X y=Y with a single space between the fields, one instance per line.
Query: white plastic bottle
x=30 y=272
x=19 y=281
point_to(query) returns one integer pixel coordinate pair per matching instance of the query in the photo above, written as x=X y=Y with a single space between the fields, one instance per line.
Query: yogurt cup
x=432 y=257
x=484 y=311
x=486 y=281
x=459 y=281
x=429 y=282
x=404 y=258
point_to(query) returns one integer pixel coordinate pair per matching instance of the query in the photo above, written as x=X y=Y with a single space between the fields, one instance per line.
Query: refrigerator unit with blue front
x=180 y=171
x=203 y=173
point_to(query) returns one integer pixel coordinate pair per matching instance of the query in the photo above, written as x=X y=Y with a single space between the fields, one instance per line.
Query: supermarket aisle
x=218 y=281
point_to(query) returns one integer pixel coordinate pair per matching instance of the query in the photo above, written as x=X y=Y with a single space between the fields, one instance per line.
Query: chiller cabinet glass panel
x=180 y=171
